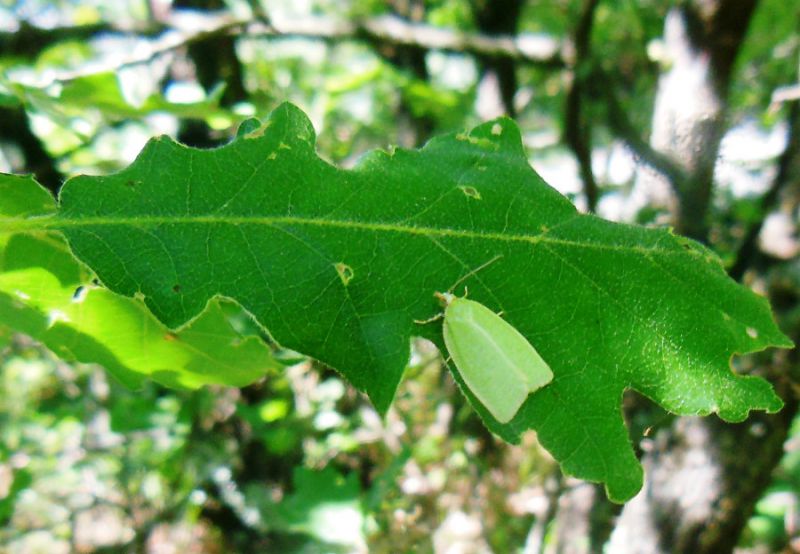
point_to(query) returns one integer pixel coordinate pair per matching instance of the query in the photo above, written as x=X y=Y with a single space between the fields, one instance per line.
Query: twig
x=787 y=164
x=532 y=48
x=620 y=124
x=577 y=130
x=785 y=94
x=185 y=27
x=29 y=40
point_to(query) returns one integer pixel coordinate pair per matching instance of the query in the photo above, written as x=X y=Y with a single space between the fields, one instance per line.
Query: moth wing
x=521 y=354
x=486 y=351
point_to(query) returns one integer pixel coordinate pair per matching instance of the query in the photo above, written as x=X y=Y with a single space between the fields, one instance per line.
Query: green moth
x=497 y=363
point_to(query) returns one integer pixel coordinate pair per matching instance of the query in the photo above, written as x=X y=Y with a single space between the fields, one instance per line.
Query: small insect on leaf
x=497 y=363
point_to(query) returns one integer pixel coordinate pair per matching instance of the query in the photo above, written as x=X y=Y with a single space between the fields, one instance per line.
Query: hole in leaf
x=472 y=192
x=80 y=294
x=345 y=272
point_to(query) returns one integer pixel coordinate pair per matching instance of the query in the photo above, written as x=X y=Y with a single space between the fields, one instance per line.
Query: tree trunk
x=703 y=476
x=498 y=82
x=701 y=40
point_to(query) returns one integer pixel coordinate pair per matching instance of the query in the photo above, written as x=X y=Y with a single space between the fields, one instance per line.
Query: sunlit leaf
x=341 y=265
x=45 y=294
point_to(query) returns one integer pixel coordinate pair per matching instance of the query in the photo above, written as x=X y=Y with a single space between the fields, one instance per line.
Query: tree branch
x=498 y=81
x=536 y=49
x=187 y=27
x=577 y=130
x=621 y=126
x=787 y=166
x=28 y=41
x=16 y=130
x=409 y=60
x=702 y=38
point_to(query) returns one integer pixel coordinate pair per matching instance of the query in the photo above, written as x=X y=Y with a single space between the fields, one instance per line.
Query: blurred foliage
x=87 y=465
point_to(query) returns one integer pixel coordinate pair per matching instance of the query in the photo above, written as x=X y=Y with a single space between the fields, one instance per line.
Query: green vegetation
x=221 y=247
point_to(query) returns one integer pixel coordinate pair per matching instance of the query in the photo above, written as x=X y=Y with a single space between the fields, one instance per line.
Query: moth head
x=445 y=298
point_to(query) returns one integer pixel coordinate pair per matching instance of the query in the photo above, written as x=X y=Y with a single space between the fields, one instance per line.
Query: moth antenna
x=474 y=271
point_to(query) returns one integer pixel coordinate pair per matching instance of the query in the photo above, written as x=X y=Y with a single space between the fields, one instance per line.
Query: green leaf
x=339 y=264
x=102 y=92
x=45 y=294
x=21 y=196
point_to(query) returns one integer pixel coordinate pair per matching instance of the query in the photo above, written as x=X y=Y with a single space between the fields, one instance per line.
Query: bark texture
x=701 y=41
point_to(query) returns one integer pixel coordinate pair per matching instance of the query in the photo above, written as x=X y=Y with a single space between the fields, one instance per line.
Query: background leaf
x=47 y=295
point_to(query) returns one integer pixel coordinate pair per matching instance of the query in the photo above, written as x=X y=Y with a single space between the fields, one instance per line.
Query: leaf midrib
x=60 y=223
